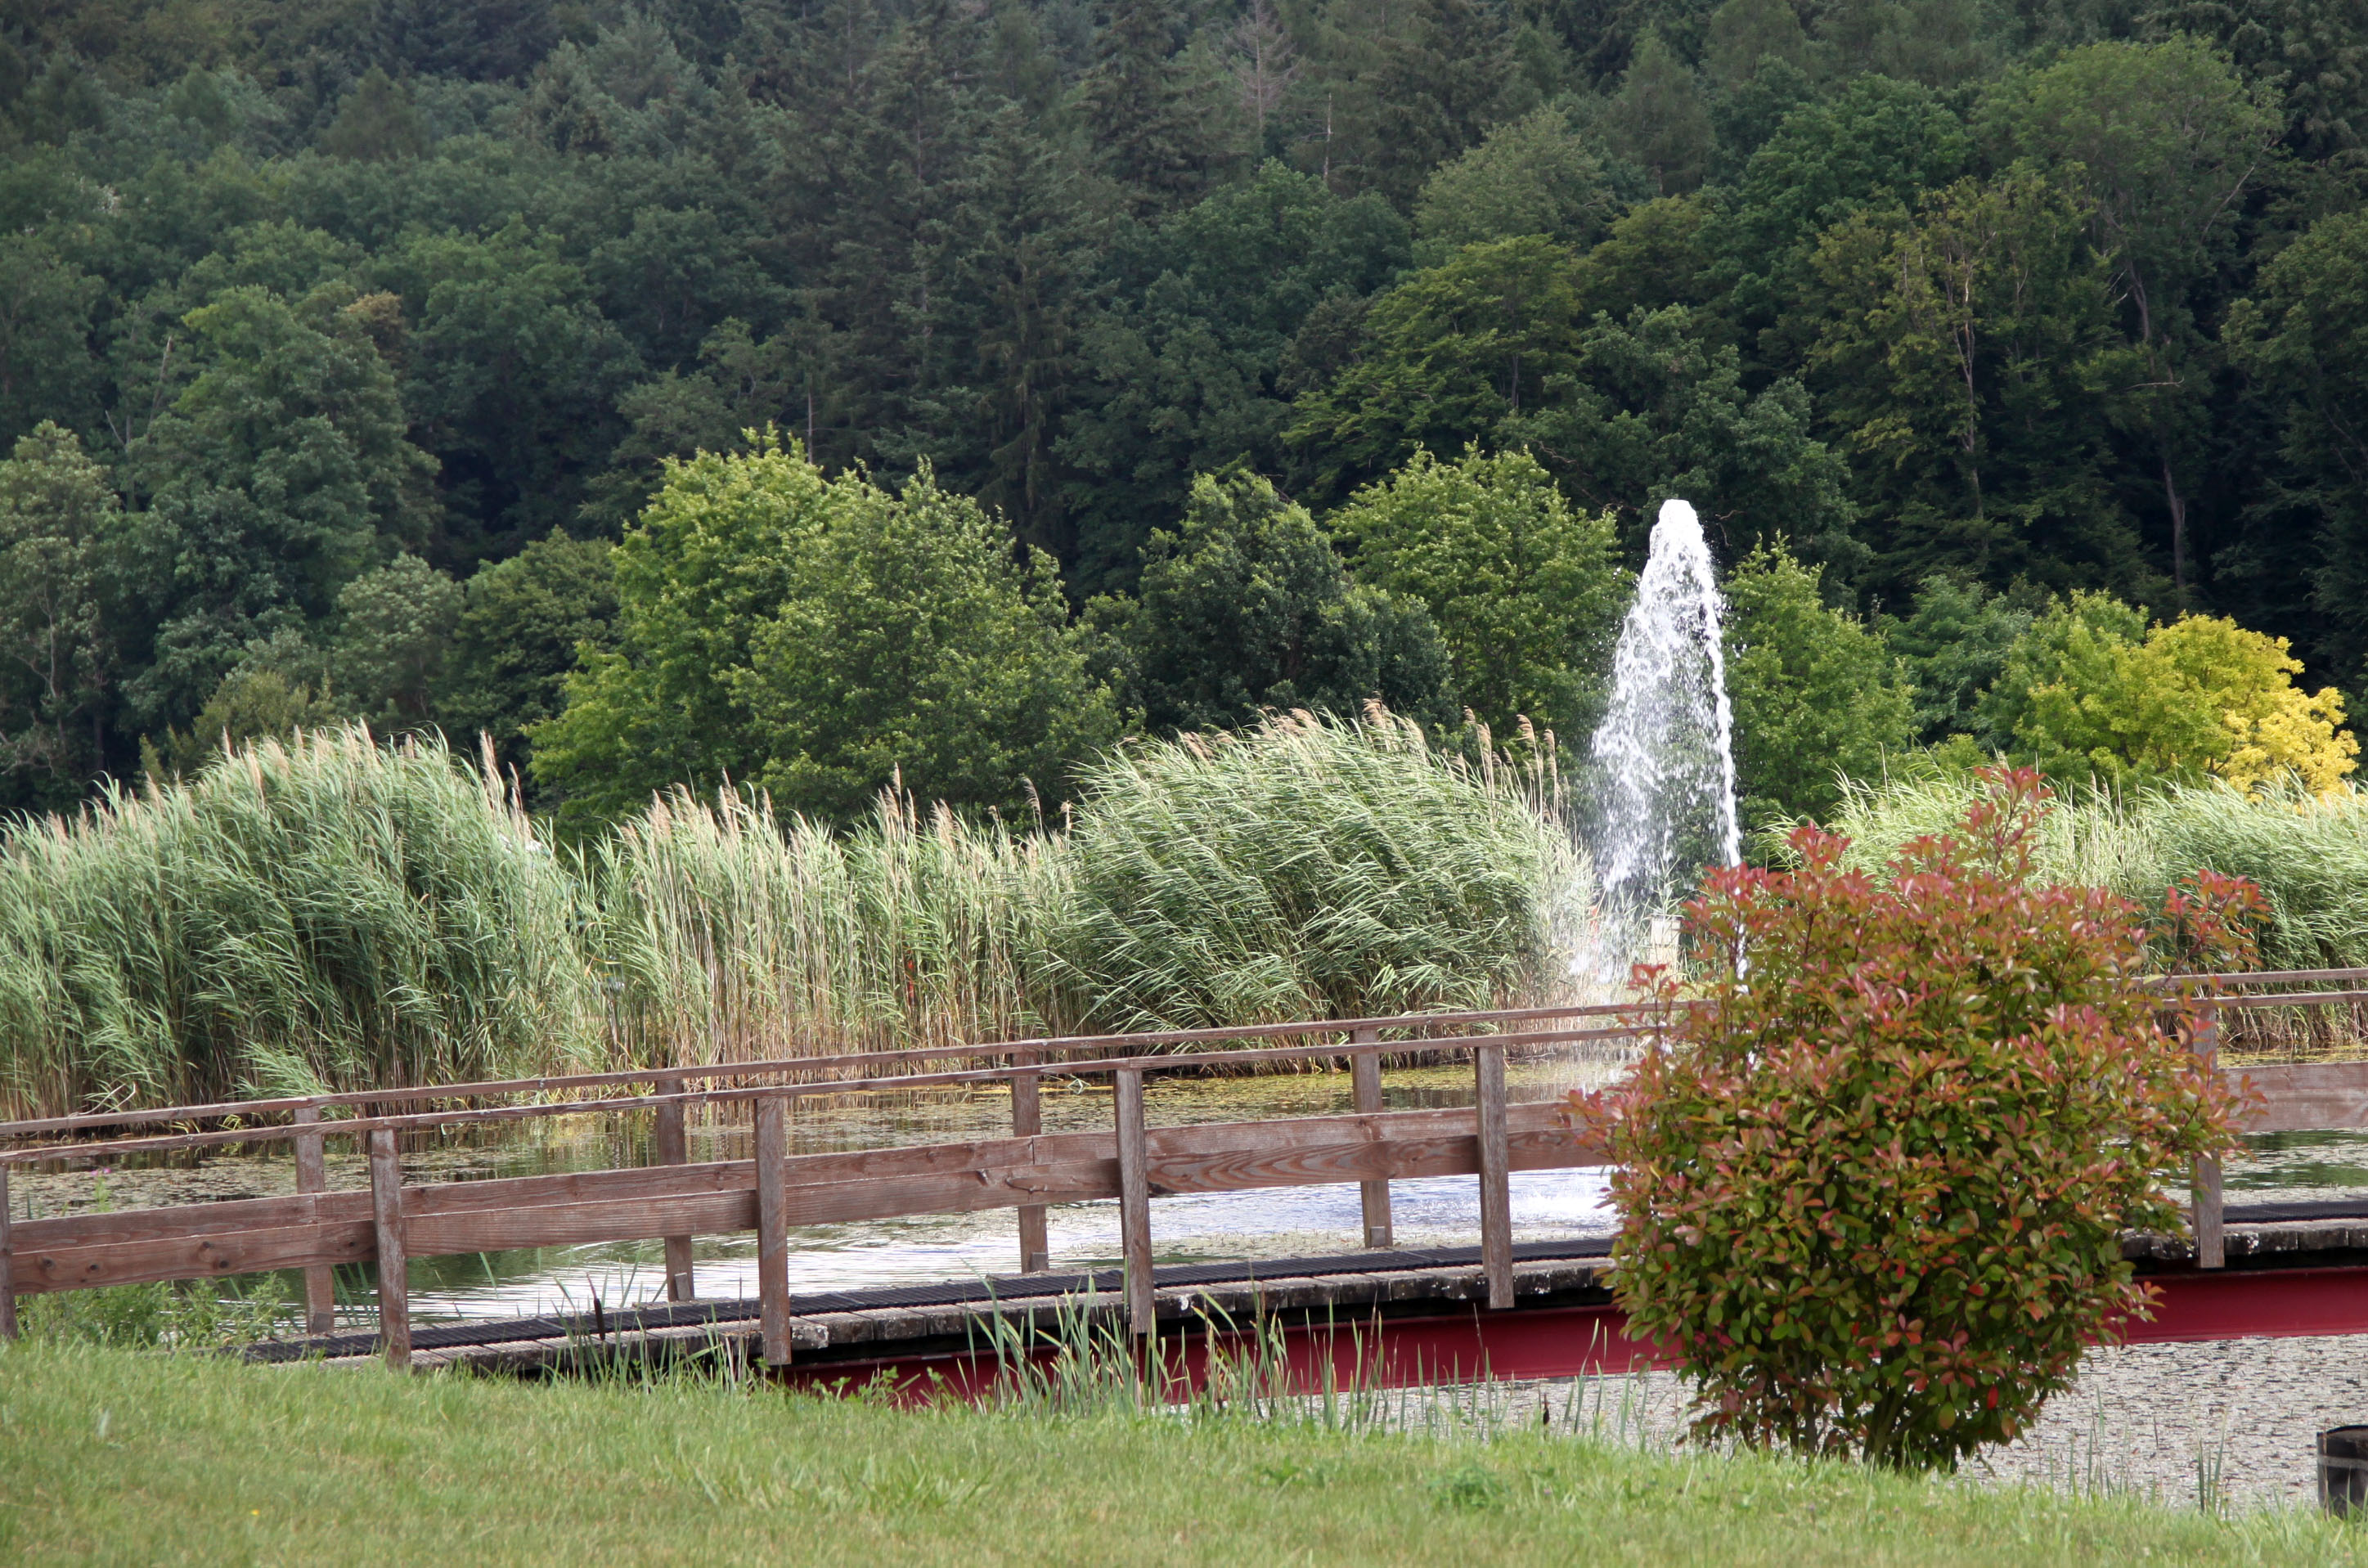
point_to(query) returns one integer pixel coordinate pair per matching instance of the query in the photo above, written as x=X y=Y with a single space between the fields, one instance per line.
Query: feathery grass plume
x=732 y=936
x=326 y=912
x=1310 y=867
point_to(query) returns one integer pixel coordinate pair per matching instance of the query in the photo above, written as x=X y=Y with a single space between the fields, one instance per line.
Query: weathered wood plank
x=393 y=1264
x=672 y=1149
x=2305 y=1096
x=2204 y=1187
x=1134 y=1203
x=2211 y=1231
x=720 y=1198
x=1496 y=1167
x=439 y=1121
x=1428 y=1024
x=191 y=1221
x=193 y=1257
x=582 y=1224
x=7 y=1264
x=320 y=1282
x=772 y=1231
x=1365 y=1077
x=1027 y=1121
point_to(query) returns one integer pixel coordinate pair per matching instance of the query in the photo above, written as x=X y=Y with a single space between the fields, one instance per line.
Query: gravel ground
x=2230 y=1420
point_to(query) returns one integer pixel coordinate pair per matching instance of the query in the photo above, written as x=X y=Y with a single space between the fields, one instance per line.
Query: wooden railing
x=674 y=1200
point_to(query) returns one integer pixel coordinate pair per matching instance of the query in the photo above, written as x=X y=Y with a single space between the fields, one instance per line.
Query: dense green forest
x=940 y=390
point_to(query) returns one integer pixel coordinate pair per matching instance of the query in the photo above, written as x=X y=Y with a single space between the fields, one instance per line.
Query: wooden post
x=2205 y=1191
x=1135 y=1200
x=320 y=1279
x=1027 y=1121
x=773 y=1228
x=393 y=1285
x=1365 y=1074
x=1495 y=1177
x=7 y=1266
x=674 y=1149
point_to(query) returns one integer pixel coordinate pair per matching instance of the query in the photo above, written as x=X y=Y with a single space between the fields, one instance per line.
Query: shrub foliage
x=1872 y=1185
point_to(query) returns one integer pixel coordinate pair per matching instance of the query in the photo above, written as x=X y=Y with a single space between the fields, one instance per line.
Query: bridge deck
x=2299 y=1267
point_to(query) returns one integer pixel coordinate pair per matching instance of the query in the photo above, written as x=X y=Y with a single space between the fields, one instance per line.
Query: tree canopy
x=372 y=358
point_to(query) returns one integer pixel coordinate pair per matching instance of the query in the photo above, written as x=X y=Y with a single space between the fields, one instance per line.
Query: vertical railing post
x=1365 y=1076
x=2210 y=1236
x=674 y=1149
x=8 y=1264
x=1135 y=1200
x=1496 y=1175
x=773 y=1228
x=313 y=1175
x=394 y=1284
x=1027 y=1121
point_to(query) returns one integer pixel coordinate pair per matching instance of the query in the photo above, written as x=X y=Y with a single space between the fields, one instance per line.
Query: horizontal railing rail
x=676 y=1200
x=1100 y=1066
x=485 y=1089
x=222 y=1109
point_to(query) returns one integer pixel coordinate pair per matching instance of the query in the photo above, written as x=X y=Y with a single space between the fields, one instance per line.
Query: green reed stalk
x=2309 y=853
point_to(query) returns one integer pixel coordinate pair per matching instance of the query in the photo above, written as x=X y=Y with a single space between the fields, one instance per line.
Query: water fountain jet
x=1664 y=755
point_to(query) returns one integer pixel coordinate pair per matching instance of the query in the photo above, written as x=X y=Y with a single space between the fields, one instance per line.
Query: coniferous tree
x=1441 y=77
x=1660 y=120
x=1151 y=108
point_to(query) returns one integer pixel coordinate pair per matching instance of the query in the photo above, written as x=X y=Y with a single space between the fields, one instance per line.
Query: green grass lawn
x=113 y=1456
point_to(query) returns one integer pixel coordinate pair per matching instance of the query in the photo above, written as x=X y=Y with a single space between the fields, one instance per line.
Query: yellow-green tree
x=2088 y=694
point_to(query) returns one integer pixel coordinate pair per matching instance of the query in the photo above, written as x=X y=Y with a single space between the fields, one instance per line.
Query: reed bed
x=2308 y=852
x=1313 y=868
x=334 y=913
x=330 y=912
x=729 y=935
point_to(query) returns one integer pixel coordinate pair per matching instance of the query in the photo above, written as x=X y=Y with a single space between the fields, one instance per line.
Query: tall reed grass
x=1313 y=867
x=2308 y=852
x=729 y=935
x=335 y=912
x=329 y=913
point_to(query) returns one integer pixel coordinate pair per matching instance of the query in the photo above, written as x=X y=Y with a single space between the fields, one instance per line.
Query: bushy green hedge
x=1871 y=1189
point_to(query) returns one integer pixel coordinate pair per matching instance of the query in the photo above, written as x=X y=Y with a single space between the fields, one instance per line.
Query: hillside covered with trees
x=940 y=390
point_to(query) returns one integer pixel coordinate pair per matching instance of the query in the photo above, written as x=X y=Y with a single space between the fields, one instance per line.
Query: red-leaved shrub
x=1872 y=1185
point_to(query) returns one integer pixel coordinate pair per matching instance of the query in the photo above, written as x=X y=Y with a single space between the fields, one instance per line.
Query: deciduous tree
x=1246 y=607
x=1818 y=695
x=1527 y=591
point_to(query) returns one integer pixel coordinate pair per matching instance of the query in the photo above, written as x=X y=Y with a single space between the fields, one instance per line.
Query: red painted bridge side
x=1567 y=1342
x=2255 y=1303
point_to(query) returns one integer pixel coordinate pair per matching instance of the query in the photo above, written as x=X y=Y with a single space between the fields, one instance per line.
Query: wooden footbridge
x=676 y=1200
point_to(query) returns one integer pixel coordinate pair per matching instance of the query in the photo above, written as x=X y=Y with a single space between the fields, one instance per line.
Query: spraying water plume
x=1664 y=755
